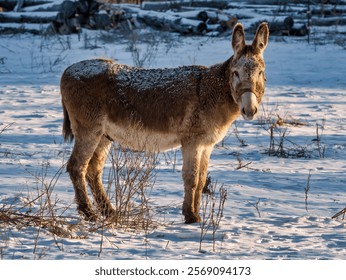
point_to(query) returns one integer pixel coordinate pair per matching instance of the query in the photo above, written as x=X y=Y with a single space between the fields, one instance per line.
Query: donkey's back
x=137 y=107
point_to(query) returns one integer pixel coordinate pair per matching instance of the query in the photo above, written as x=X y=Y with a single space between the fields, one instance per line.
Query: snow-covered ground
x=277 y=207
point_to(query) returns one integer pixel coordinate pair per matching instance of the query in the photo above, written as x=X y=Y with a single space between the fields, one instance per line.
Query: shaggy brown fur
x=156 y=110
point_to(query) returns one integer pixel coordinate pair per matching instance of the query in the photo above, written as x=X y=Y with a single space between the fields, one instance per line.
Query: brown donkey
x=190 y=107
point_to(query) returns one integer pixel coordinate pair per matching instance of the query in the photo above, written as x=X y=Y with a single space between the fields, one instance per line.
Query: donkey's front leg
x=191 y=164
x=203 y=171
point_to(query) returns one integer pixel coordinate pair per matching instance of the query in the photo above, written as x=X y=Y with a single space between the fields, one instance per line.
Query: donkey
x=190 y=107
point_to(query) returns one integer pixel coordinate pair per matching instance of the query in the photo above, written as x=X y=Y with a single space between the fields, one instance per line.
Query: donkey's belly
x=140 y=139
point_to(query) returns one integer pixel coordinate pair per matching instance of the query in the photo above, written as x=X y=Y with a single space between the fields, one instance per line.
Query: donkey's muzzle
x=249 y=105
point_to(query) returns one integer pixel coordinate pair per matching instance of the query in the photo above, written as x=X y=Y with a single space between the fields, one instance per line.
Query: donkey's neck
x=215 y=98
x=217 y=80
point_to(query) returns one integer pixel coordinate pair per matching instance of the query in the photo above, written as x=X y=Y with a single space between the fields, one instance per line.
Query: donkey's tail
x=66 y=128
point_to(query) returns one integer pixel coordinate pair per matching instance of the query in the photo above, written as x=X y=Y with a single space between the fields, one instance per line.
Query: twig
x=1 y=45
x=240 y=166
x=306 y=189
x=321 y=148
x=219 y=214
x=236 y=133
x=101 y=241
x=342 y=212
x=212 y=213
x=5 y=127
x=256 y=205
x=240 y=163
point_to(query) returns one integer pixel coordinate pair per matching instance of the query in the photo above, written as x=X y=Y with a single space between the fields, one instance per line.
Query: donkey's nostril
x=249 y=114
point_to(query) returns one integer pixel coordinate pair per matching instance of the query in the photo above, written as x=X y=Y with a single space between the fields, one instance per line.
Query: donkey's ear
x=238 y=39
x=260 y=41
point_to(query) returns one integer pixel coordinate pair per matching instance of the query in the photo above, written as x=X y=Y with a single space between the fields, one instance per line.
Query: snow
x=87 y=69
x=266 y=213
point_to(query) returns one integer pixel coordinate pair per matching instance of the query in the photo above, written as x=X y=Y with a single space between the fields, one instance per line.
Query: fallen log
x=68 y=27
x=194 y=14
x=213 y=17
x=99 y=21
x=39 y=17
x=19 y=6
x=160 y=6
x=128 y=8
x=281 y=26
x=193 y=26
x=10 y=4
x=328 y=11
x=15 y=28
x=217 y=4
x=167 y=5
x=68 y=9
x=228 y=23
x=158 y=19
x=299 y=30
x=86 y=13
x=171 y=21
x=48 y=7
x=215 y=28
x=328 y=21
x=305 y=2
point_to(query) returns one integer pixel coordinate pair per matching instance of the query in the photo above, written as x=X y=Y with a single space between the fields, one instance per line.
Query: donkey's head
x=247 y=78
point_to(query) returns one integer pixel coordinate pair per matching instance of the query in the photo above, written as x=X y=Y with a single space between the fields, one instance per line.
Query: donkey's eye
x=261 y=74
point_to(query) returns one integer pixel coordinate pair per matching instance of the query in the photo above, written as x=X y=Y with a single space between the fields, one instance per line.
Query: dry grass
x=59 y=226
x=130 y=181
x=279 y=127
x=213 y=203
x=40 y=210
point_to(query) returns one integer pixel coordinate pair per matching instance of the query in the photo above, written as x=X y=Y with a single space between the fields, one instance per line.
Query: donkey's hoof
x=90 y=217
x=109 y=213
x=192 y=219
x=88 y=214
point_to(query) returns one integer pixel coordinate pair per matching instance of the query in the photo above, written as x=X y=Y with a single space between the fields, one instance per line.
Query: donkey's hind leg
x=94 y=177
x=77 y=165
